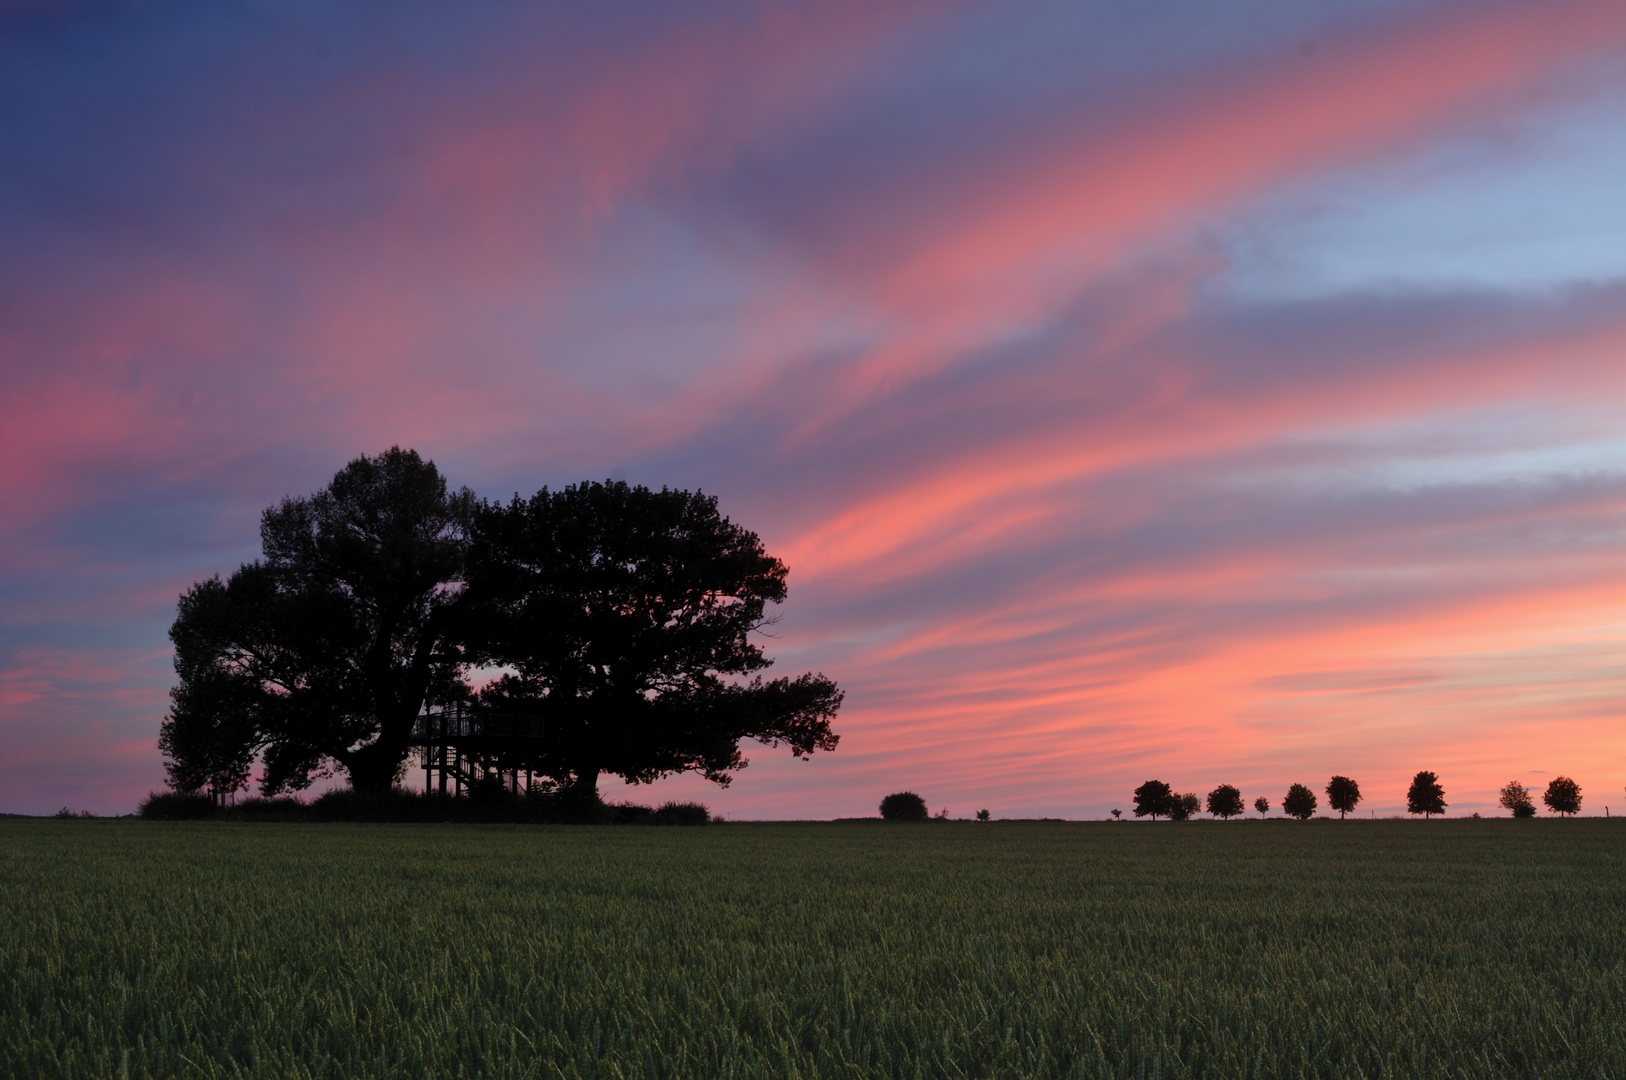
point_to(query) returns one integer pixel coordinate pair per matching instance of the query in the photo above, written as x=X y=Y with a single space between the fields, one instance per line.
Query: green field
x=1405 y=949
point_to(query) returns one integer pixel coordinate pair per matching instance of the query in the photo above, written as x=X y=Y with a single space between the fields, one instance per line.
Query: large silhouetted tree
x=627 y=617
x=1563 y=796
x=324 y=651
x=1154 y=799
x=1515 y=797
x=624 y=615
x=1425 y=796
x=1299 y=802
x=1342 y=795
x=1225 y=802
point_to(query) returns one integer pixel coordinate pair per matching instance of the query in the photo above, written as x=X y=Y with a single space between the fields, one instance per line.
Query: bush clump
x=903 y=806
x=488 y=804
x=177 y=806
x=682 y=813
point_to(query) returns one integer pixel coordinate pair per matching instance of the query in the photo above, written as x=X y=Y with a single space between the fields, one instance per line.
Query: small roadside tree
x=983 y=815
x=1563 y=796
x=1515 y=798
x=1181 y=807
x=1225 y=802
x=1342 y=795
x=1299 y=802
x=1262 y=805
x=903 y=806
x=1425 y=796
x=1153 y=799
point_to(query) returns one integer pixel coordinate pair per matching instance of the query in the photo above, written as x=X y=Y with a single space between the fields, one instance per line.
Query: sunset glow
x=1221 y=394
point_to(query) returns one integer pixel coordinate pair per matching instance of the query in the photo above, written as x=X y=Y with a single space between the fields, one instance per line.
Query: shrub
x=983 y=815
x=258 y=809
x=682 y=813
x=176 y=806
x=396 y=804
x=903 y=806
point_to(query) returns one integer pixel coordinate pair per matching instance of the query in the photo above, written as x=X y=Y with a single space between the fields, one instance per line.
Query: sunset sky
x=1209 y=392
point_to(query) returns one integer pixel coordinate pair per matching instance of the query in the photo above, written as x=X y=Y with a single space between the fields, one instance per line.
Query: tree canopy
x=622 y=616
x=907 y=806
x=1425 y=796
x=1181 y=807
x=1225 y=802
x=1299 y=802
x=1343 y=794
x=1154 y=799
x=626 y=615
x=1563 y=796
x=1515 y=797
x=323 y=652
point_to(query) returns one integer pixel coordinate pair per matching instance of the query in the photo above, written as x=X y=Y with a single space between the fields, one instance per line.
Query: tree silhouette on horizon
x=1299 y=802
x=1225 y=802
x=1563 y=796
x=1425 y=796
x=1342 y=795
x=1515 y=797
x=1154 y=799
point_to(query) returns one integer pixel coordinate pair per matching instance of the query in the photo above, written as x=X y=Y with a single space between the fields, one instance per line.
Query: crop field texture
x=1375 y=949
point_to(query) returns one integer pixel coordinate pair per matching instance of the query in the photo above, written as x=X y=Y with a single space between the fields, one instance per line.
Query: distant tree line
x=1426 y=796
x=620 y=618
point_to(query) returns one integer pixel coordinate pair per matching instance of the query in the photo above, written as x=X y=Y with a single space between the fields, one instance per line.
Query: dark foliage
x=324 y=651
x=1154 y=799
x=1181 y=807
x=1262 y=805
x=1563 y=796
x=1515 y=797
x=1225 y=802
x=1343 y=794
x=1299 y=802
x=499 y=806
x=401 y=806
x=903 y=806
x=177 y=806
x=212 y=732
x=1425 y=796
x=627 y=613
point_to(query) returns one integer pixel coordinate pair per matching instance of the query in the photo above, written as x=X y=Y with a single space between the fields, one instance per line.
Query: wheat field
x=942 y=949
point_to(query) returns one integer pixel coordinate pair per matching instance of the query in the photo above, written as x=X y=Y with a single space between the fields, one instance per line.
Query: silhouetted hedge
x=176 y=806
x=487 y=806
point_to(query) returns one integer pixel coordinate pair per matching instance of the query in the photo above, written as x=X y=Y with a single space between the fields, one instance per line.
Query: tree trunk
x=584 y=789
x=375 y=766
